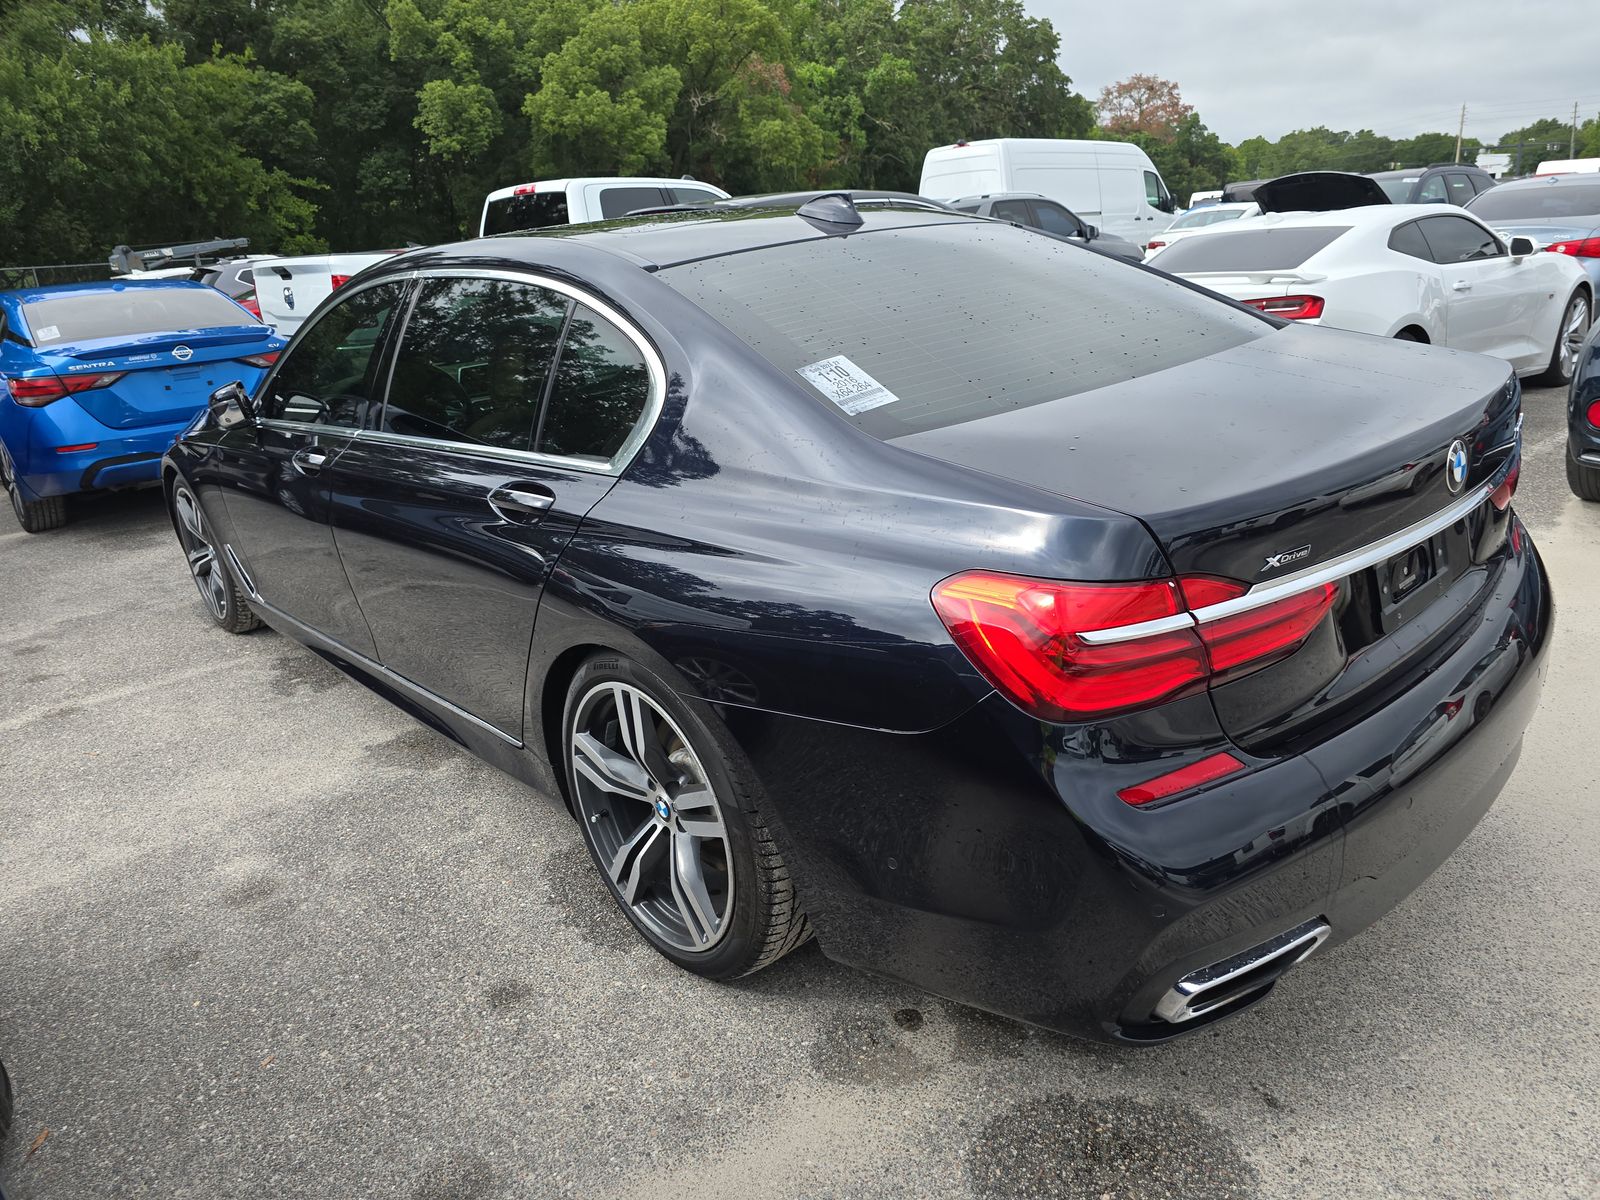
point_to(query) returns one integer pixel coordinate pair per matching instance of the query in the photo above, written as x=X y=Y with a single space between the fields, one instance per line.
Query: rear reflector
x=39 y=390
x=1577 y=248
x=1207 y=770
x=1290 y=308
x=338 y=281
x=262 y=360
x=76 y=449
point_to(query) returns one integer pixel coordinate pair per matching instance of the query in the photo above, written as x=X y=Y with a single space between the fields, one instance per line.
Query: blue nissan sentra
x=96 y=379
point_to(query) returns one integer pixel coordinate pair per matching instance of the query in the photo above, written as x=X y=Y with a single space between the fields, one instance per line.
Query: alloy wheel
x=204 y=563
x=1573 y=333
x=651 y=816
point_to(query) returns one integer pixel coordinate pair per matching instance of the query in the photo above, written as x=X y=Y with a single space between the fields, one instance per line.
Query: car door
x=513 y=403
x=1492 y=306
x=273 y=474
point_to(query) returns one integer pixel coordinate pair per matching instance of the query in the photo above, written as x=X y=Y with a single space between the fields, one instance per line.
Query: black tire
x=765 y=922
x=220 y=593
x=1562 y=365
x=7 y=1103
x=35 y=516
x=1583 y=479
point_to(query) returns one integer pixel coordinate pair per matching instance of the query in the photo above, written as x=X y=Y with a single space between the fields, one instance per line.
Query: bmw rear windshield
x=129 y=312
x=1248 y=249
x=930 y=326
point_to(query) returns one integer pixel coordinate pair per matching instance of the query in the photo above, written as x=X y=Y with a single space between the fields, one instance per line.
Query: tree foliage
x=1144 y=104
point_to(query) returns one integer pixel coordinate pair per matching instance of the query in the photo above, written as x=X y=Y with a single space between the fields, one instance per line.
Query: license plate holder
x=1411 y=580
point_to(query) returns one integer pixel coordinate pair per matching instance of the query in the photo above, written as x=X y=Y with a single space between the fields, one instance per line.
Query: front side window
x=620 y=201
x=1152 y=189
x=1458 y=240
x=1055 y=219
x=473 y=362
x=1460 y=188
x=329 y=376
x=600 y=393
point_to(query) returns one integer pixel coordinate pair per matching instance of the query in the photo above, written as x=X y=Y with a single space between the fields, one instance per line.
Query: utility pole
x=1460 y=129
x=1572 y=142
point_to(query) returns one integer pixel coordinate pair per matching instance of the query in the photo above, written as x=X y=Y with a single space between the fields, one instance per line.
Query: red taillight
x=42 y=389
x=251 y=305
x=1154 y=245
x=1501 y=496
x=1594 y=414
x=1290 y=308
x=1577 y=247
x=338 y=281
x=1070 y=651
x=76 y=449
x=262 y=360
x=1261 y=636
x=1206 y=770
x=1024 y=635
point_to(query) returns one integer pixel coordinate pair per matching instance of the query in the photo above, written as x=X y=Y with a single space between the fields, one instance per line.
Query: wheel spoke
x=201 y=559
x=689 y=890
x=697 y=813
x=608 y=770
x=636 y=723
x=190 y=515
x=636 y=854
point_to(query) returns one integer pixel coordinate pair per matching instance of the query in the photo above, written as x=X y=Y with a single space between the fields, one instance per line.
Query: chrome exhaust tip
x=1210 y=988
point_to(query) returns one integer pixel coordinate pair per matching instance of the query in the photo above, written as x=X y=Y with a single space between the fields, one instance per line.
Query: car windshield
x=1397 y=187
x=1276 y=249
x=129 y=312
x=926 y=327
x=1207 y=216
x=1537 y=202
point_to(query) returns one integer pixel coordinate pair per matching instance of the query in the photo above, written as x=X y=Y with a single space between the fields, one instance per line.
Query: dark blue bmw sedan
x=1047 y=633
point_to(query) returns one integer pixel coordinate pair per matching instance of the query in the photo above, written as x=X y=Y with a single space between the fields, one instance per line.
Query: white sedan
x=1422 y=272
x=1196 y=219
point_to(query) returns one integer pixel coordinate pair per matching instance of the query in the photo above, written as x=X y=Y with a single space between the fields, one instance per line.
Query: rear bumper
x=118 y=458
x=1015 y=884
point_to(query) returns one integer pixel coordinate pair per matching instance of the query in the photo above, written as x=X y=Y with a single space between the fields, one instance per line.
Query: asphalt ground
x=264 y=935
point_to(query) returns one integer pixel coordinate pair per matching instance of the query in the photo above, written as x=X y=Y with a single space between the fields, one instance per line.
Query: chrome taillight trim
x=1332 y=571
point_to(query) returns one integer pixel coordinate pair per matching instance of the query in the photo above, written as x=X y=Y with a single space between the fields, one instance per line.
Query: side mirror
x=1090 y=232
x=1522 y=247
x=231 y=405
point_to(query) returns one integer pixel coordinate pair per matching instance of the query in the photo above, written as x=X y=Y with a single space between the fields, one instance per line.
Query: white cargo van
x=547 y=202
x=1110 y=184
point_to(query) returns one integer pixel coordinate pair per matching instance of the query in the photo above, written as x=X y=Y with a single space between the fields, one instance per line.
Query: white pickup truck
x=289 y=289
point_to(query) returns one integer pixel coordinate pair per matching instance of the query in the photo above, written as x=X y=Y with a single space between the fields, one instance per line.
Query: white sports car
x=1198 y=219
x=1423 y=272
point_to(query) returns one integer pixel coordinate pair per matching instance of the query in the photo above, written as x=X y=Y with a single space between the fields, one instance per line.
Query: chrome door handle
x=1461 y=285
x=308 y=462
x=521 y=501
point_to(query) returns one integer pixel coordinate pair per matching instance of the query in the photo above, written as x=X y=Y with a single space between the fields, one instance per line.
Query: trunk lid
x=165 y=377
x=1264 y=462
x=1318 y=191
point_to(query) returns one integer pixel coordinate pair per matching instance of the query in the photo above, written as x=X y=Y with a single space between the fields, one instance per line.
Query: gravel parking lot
x=266 y=935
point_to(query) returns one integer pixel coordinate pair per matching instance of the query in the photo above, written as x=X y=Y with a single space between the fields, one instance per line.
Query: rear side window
x=620 y=201
x=1457 y=240
x=473 y=362
x=1408 y=239
x=329 y=375
x=921 y=328
x=1517 y=203
x=1280 y=249
x=693 y=195
x=1011 y=210
x=534 y=210
x=1433 y=192
x=601 y=389
x=128 y=312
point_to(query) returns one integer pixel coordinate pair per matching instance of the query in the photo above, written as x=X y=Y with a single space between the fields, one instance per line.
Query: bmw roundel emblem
x=182 y=353
x=663 y=809
x=1455 y=466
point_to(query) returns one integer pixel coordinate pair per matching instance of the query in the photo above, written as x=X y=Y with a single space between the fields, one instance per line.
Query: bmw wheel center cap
x=663 y=809
x=1455 y=473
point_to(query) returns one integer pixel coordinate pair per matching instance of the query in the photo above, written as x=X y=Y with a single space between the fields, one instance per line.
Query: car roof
x=1418 y=172
x=659 y=240
x=56 y=290
x=561 y=185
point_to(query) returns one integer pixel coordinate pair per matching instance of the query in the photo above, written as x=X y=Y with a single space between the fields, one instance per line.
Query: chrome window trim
x=654 y=365
x=531 y=457
x=1331 y=571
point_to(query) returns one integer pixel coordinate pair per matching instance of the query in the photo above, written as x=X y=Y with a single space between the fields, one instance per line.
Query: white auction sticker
x=48 y=334
x=847 y=385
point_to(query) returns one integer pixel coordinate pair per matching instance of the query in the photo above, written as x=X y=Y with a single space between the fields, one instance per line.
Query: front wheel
x=223 y=598
x=1570 y=335
x=671 y=815
x=35 y=516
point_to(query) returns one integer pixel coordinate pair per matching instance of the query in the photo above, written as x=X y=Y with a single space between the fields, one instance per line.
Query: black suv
x=1442 y=183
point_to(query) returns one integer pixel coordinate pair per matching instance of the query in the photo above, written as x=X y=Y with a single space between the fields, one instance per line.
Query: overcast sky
x=1268 y=66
